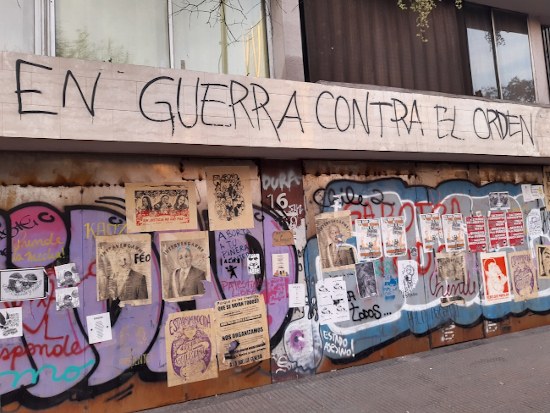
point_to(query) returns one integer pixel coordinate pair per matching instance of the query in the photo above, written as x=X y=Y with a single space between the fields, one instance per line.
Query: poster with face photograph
x=369 y=240
x=333 y=232
x=543 y=261
x=11 y=322
x=229 y=197
x=66 y=275
x=451 y=266
x=496 y=285
x=523 y=275
x=123 y=265
x=366 y=279
x=190 y=347
x=431 y=231
x=394 y=236
x=67 y=298
x=152 y=207
x=23 y=284
x=185 y=264
x=453 y=232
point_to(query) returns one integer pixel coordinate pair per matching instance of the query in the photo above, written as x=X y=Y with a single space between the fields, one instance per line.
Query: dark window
x=546 y=43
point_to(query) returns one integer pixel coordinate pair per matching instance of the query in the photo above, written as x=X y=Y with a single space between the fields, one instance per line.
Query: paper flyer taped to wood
x=333 y=232
x=523 y=275
x=190 y=347
x=394 y=236
x=123 y=265
x=369 y=239
x=453 y=232
x=241 y=331
x=476 y=229
x=496 y=285
x=151 y=207
x=185 y=264
x=515 y=228
x=229 y=197
x=431 y=230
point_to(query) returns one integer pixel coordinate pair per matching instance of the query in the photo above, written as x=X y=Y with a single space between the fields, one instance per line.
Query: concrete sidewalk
x=510 y=373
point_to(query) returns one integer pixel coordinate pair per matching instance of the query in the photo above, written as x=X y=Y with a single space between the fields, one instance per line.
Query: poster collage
x=199 y=343
x=353 y=250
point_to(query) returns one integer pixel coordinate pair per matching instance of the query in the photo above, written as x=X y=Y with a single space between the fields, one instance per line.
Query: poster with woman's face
x=22 y=284
x=185 y=264
x=152 y=207
x=496 y=285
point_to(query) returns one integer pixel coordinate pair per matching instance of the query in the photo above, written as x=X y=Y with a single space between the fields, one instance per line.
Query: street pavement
x=509 y=373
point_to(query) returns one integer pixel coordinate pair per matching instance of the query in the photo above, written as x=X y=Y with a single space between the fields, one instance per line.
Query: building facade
x=331 y=106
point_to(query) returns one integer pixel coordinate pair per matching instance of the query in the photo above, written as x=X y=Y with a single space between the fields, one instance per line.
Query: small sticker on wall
x=280 y=266
x=253 y=264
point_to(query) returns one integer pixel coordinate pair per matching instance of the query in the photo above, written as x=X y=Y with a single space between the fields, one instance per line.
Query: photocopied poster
x=11 y=322
x=280 y=265
x=241 y=331
x=369 y=241
x=394 y=236
x=515 y=228
x=332 y=302
x=99 y=328
x=123 y=265
x=67 y=298
x=66 y=275
x=151 y=207
x=366 y=279
x=184 y=263
x=430 y=230
x=23 y=284
x=496 y=285
x=190 y=347
x=543 y=260
x=498 y=236
x=499 y=200
x=229 y=197
x=333 y=231
x=407 y=273
x=523 y=276
x=296 y=295
x=451 y=266
x=477 y=233
x=253 y=265
x=534 y=224
x=453 y=232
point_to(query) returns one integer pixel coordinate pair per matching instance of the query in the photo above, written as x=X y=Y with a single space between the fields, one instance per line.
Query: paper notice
x=369 y=242
x=282 y=238
x=407 y=271
x=280 y=265
x=296 y=295
x=534 y=224
x=394 y=236
x=99 y=328
x=431 y=230
x=496 y=222
x=453 y=232
x=477 y=233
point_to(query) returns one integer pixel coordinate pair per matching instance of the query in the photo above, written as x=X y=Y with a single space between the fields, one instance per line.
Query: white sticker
x=99 y=328
x=296 y=295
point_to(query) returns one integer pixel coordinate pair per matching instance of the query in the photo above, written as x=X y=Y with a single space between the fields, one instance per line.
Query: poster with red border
x=476 y=229
x=516 y=230
x=498 y=237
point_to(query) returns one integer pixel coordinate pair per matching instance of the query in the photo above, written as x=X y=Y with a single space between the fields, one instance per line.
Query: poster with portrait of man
x=185 y=264
x=151 y=207
x=543 y=261
x=333 y=232
x=523 y=275
x=496 y=285
x=229 y=197
x=123 y=266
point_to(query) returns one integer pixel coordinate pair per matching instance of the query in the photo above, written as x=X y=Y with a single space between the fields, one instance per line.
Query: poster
x=499 y=200
x=151 y=207
x=453 y=232
x=534 y=224
x=543 y=261
x=23 y=284
x=280 y=265
x=241 y=331
x=514 y=226
x=366 y=279
x=451 y=266
x=11 y=322
x=282 y=238
x=477 y=233
x=67 y=298
x=333 y=231
x=496 y=285
x=430 y=230
x=229 y=197
x=527 y=193
x=296 y=295
x=99 y=328
x=66 y=275
x=523 y=275
x=498 y=237
x=332 y=301
x=253 y=264
x=123 y=265
x=394 y=236
x=407 y=273
x=184 y=263
x=369 y=242
x=190 y=347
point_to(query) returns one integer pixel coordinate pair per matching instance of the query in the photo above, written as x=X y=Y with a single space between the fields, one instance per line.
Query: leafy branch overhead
x=423 y=9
